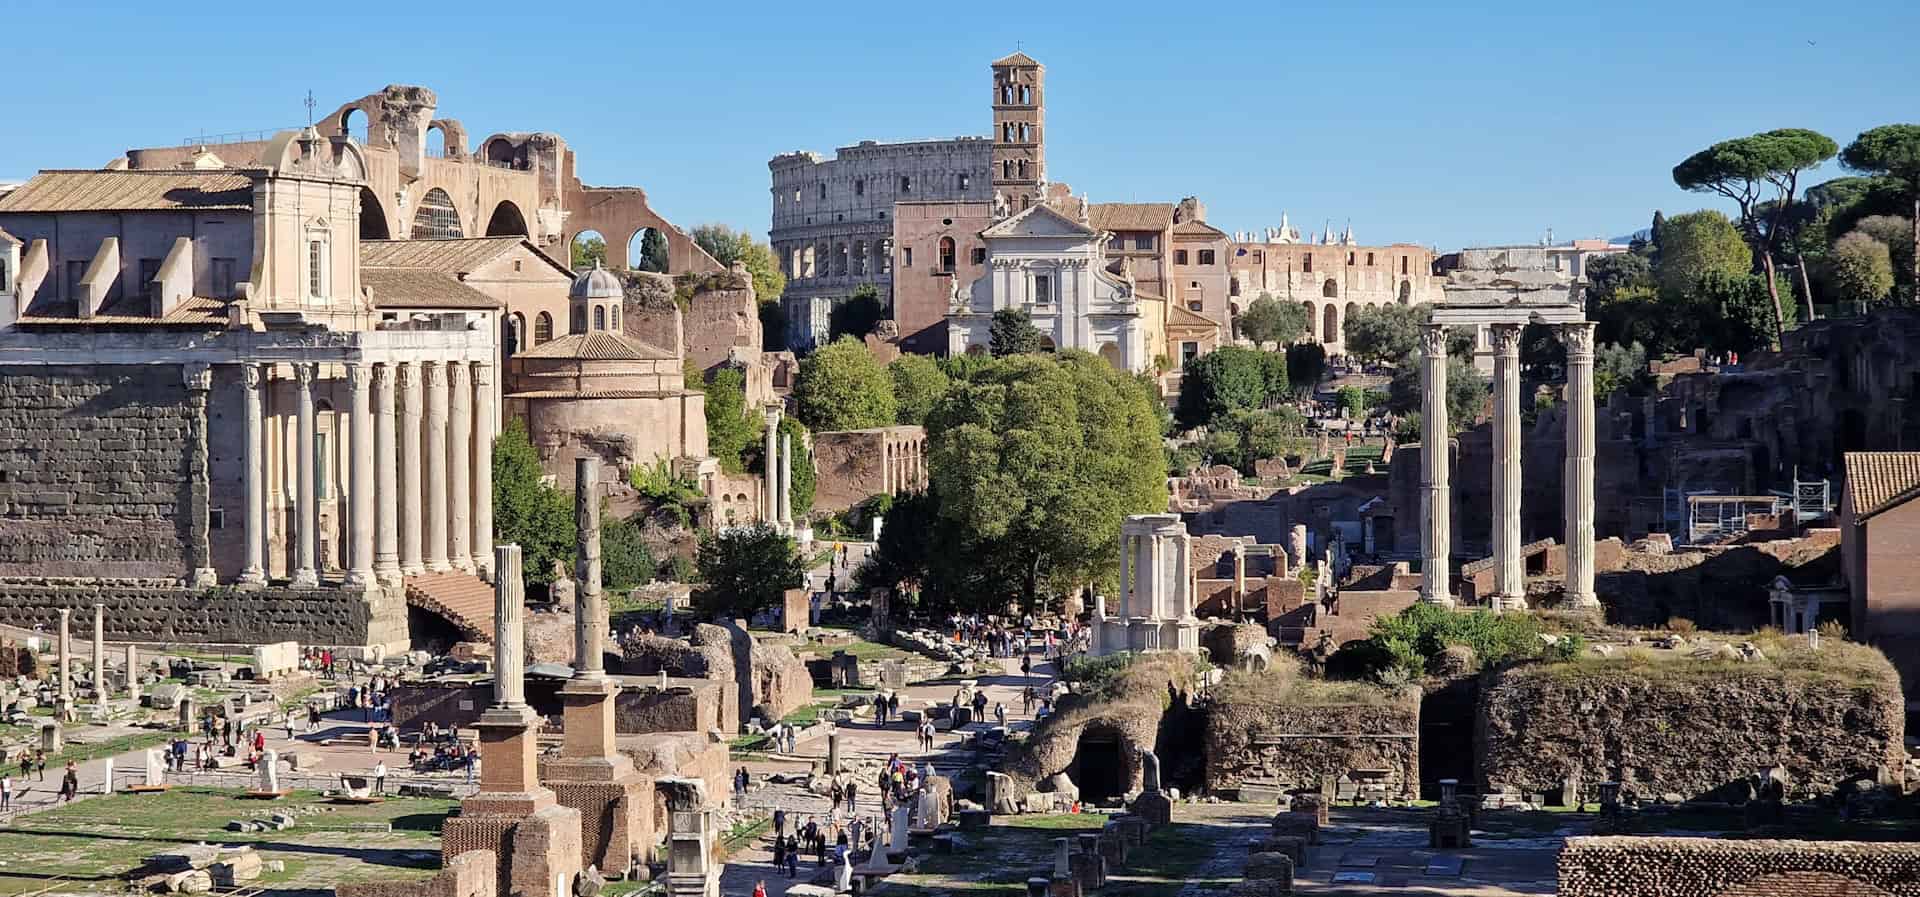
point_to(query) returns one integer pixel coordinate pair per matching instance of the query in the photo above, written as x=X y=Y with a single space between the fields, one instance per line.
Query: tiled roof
x=598 y=345
x=195 y=311
x=131 y=191
x=1016 y=59
x=1877 y=481
x=1197 y=228
x=1179 y=315
x=420 y=288
x=1131 y=215
x=461 y=256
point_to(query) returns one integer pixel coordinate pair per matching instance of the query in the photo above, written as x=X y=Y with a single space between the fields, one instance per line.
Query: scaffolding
x=1715 y=518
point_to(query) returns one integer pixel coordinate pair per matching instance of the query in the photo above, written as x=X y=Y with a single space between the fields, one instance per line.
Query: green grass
x=859 y=648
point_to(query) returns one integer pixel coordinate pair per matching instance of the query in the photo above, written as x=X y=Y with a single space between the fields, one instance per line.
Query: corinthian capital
x=1505 y=338
x=1578 y=338
x=1433 y=340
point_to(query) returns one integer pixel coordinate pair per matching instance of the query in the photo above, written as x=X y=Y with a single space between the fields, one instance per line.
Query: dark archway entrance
x=373 y=218
x=428 y=631
x=507 y=221
x=1099 y=766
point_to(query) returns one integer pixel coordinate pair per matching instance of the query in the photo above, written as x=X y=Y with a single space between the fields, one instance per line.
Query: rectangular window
x=316 y=269
x=1306 y=263
x=222 y=278
x=979 y=256
x=1403 y=264
x=216 y=518
x=906 y=184
x=149 y=269
x=860 y=187
x=1117 y=244
x=966 y=180
x=1143 y=242
x=1369 y=259
x=1188 y=352
x=906 y=259
x=1206 y=256
x=823 y=191
x=1042 y=289
x=1179 y=256
x=1258 y=256
x=76 y=272
x=6 y=282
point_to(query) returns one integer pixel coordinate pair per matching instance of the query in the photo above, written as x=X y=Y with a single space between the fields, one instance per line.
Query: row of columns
x=778 y=481
x=1436 y=493
x=420 y=459
x=903 y=465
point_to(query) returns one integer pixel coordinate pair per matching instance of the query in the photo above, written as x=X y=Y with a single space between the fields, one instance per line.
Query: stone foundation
x=1710 y=867
x=471 y=874
x=159 y=611
x=616 y=822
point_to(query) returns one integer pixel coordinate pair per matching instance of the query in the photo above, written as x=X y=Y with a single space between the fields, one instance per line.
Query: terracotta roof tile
x=599 y=345
x=1131 y=215
x=1016 y=59
x=131 y=191
x=196 y=311
x=422 y=288
x=1877 y=481
x=1197 y=228
x=462 y=256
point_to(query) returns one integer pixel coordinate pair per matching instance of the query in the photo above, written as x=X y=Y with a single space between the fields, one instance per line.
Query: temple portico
x=1156 y=590
x=1504 y=323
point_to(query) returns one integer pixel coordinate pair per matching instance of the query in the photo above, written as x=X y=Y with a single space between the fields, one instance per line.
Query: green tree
x=1306 y=364
x=1742 y=169
x=625 y=559
x=1269 y=320
x=1466 y=392
x=1891 y=230
x=1609 y=274
x=1696 y=244
x=858 y=314
x=527 y=511
x=1619 y=367
x=746 y=570
x=588 y=252
x=653 y=252
x=1893 y=151
x=1353 y=400
x=1273 y=377
x=1227 y=379
x=1384 y=334
x=918 y=383
x=1860 y=269
x=727 y=246
x=1037 y=460
x=731 y=430
x=843 y=387
x=1012 y=333
x=1741 y=311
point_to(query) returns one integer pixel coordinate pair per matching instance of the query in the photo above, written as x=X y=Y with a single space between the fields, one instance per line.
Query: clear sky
x=1446 y=124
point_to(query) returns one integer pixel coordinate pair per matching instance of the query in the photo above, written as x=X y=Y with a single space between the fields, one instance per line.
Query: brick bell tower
x=1019 y=130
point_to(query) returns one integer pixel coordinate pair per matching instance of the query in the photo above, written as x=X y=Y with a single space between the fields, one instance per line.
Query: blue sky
x=1430 y=123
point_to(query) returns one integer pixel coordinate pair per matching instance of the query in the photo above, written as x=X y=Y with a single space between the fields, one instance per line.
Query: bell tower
x=1019 y=130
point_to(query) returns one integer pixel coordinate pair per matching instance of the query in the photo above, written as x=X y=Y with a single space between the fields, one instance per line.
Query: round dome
x=598 y=283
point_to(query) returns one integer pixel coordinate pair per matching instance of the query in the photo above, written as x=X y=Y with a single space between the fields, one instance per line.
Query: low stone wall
x=149 y=612
x=1688 y=727
x=471 y=874
x=1710 y=867
x=683 y=706
x=1259 y=730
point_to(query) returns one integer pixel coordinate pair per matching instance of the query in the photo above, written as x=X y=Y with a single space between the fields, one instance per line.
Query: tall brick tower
x=1019 y=130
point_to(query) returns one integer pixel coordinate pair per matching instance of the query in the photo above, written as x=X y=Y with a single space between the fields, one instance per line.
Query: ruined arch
x=348 y=120
x=437 y=218
x=1330 y=289
x=1330 y=327
x=373 y=217
x=507 y=221
x=1406 y=291
x=501 y=152
x=585 y=248
x=647 y=251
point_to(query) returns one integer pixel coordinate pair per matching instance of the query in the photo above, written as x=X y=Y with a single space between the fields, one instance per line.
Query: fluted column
x=484 y=431
x=1436 y=536
x=772 y=465
x=1510 y=585
x=386 y=511
x=66 y=656
x=435 y=475
x=509 y=634
x=459 y=467
x=100 y=691
x=786 y=481
x=589 y=612
x=359 y=540
x=412 y=489
x=254 y=574
x=306 y=456
x=1578 y=484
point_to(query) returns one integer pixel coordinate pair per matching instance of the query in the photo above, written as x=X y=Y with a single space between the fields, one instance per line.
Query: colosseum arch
x=373 y=217
x=1330 y=289
x=1406 y=291
x=507 y=221
x=437 y=218
x=1330 y=329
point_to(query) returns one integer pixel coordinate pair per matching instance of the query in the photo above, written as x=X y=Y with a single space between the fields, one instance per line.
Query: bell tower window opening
x=946 y=255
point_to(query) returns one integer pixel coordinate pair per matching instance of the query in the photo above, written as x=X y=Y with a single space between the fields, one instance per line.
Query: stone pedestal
x=591 y=776
x=1155 y=807
x=692 y=870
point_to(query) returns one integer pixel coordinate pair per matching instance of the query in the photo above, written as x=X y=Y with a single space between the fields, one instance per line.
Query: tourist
x=469 y=759
x=837 y=794
x=850 y=798
x=40 y=763
x=313 y=717
x=740 y=783
x=980 y=706
x=6 y=792
x=793 y=856
x=1000 y=713
x=70 y=783
x=380 y=777
x=760 y=889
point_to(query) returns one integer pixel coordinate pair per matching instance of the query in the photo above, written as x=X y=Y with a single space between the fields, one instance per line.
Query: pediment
x=1039 y=221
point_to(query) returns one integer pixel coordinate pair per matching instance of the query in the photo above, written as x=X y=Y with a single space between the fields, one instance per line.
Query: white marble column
x=66 y=656
x=359 y=535
x=484 y=431
x=509 y=634
x=1578 y=485
x=100 y=690
x=459 y=467
x=786 y=481
x=1127 y=570
x=386 y=511
x=434 y=477
x=1510 y=584
x=253 y=385
x=1436 y=506
x=306 y=457
x=412 y=425
x=772 y=465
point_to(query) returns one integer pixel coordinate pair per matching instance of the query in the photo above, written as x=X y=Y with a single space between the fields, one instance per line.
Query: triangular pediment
x=1039 y=221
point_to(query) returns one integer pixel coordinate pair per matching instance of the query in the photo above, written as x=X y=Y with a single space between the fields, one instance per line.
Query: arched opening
x=507 y=221
x=1313 y=323
x=373 y=218
x=946 y=255
x=353 y=123
x=976 y=349
x=500 y=152
x=647 y=250
x=613 y=317
x=1330 y=289
x=437 y=218
x=542 y=328
x=1046 y=344
x=513 y=330
x=1111 y=354
x=1099 y=765
x=441 y=147
x=1347 y=313
x=1330 y=325
x=587 y=249
x=599 y=317
x=839 y=259
x=1233 y=286
x=1406 y=291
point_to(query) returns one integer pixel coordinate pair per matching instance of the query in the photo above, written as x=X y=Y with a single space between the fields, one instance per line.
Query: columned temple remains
x=1156 y=591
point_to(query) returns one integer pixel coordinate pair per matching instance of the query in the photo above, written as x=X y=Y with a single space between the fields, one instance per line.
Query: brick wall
x=1711 y=867
x=162 y=613
x=93 y=471
x=1271 y=736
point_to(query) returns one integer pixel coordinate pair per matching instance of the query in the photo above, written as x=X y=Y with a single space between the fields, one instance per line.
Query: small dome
x=598 y=283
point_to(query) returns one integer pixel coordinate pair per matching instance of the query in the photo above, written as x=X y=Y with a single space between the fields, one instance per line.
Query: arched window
x=1026 y=95
x=1006 y=94
x=599 y=317
x=946 y=255
x=613 y=317
x=1330 y=329
x=859 y=258
x=1330 y=289
x=1006 y=169
x=542 y=328
x=1406 y=292
x=1006 y=132
x=1313 y=323
x=1025 y=133
x=436 y=218
x=1023 y=169
x=515 y=335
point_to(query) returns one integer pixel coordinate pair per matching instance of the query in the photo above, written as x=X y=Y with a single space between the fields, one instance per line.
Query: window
x=436 y=218
x=216 y=518
x=1306 y=263
x=1330 y=289
x=859 y=258
x=1042 y=289
x=1193 y=306
x=325 y=466
x=860 y=187
x=906 y=258
x=1006 y=94
x=1026 y=134
x=1179 y=256
x=966 y=180
x=5 y=282
x=906 y=184
x=979 y=256
x=1369 y=259
x=613 y=317
x=1188 y=352
x=1006 y=132
x=1403 y=264
x=1206 y=256
x=1022 y=167
x=599 y=317
x=516 y=266
x=1143 y=242
x=1026 y=95
x=1258 y=256
x=542 y=328
x=796 y=195
x=1349 y=258
x=1233 y=287
x=946 y=255
x=577 y=321
x=317 y=269
x=149 y=269
x=1006 y=169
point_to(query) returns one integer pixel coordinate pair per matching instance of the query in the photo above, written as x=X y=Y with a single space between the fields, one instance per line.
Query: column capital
x=251 y=376
x=198 y=375
x=1578 y=338
x=304 y=373
x=359 y=376
x=405 y=373
x=1433 y=339
x=382 y=374
x=482 y=374
x=1505 y=338
x=456 y=373
x=433 y=374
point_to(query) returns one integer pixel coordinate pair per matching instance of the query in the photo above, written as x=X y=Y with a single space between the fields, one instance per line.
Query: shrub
x=1833 y=630
x=1680 y=626
x=1408 y=642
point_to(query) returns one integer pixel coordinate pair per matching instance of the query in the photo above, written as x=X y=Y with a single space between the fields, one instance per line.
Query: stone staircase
x=462 y=599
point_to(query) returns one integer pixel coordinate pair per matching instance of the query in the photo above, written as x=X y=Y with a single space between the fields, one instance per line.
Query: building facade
x=1333 y=277
x=1054 y=268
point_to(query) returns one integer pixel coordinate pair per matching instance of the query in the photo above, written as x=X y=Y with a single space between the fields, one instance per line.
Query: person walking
x=980 y=706
x=6 y=792
x=1000 y=713
x=851 y=792
x=760 y=889
x=70 y=783
x=793 y=856
x=380 y=776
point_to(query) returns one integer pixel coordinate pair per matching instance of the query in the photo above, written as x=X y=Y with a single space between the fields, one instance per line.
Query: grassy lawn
x=999 y=860
x=102 y=838
x=866 y=651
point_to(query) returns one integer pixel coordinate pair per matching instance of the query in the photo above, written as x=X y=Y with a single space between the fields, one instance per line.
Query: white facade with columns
x=1155 y=611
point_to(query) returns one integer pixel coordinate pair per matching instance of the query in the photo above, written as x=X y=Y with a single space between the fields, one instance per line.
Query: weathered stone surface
x=1275 y=866
x=1709 y=867
x=168 y=612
